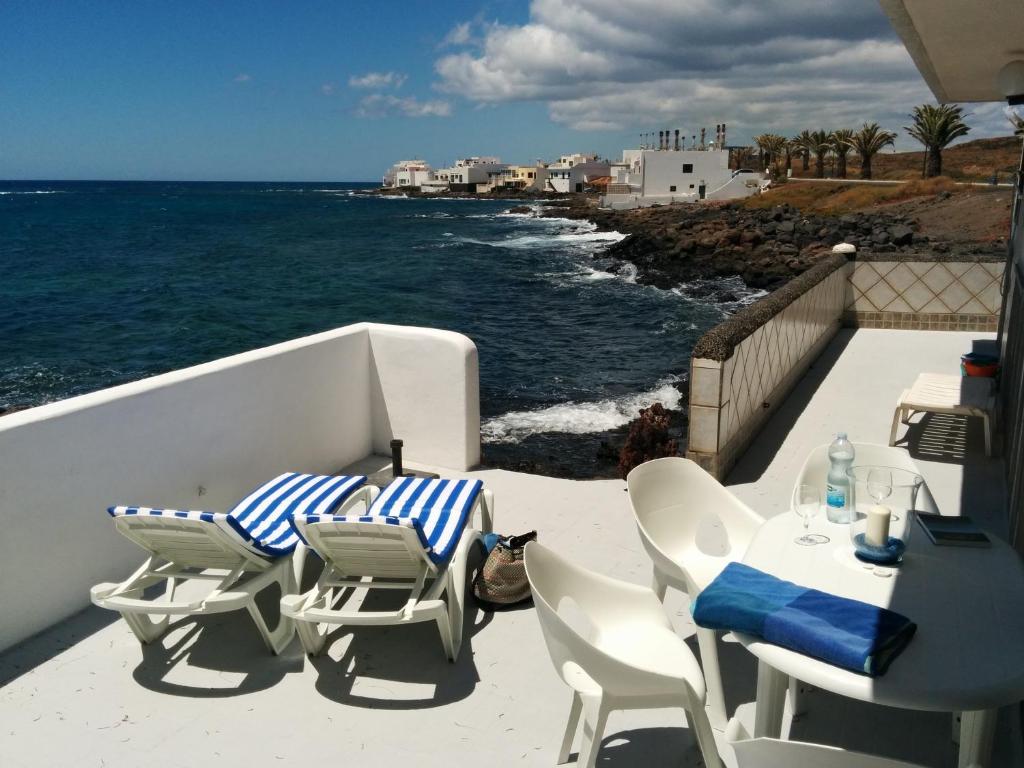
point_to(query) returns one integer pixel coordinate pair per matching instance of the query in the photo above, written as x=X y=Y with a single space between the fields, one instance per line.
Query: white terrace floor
x=86 y=694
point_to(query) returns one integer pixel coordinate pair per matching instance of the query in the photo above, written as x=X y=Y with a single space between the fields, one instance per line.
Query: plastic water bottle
x=838 y=499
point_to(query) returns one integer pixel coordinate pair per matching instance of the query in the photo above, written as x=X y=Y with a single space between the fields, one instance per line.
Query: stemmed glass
x=807 y=503
x=880 y=486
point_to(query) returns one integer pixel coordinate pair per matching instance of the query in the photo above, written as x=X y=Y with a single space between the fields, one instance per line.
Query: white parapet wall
x=200 y=437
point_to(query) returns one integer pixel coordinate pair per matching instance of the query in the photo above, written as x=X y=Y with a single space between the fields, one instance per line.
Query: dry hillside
x=975 y=160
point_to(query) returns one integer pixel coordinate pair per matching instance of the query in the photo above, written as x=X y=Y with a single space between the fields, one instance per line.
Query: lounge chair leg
x=312 y=638
x=593 y=731
x=144 y=628
x=570 y=728
x=988 y=434
x=278 y=639
x=895 y=425
x=708 y=643
x=444 y=628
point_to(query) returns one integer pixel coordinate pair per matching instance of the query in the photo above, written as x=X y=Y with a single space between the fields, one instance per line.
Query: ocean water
x=105 y=283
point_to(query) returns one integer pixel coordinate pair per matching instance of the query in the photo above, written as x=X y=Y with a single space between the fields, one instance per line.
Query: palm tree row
x=934 y=126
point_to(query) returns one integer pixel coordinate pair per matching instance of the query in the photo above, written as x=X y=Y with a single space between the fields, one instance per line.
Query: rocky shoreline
x=766 y=247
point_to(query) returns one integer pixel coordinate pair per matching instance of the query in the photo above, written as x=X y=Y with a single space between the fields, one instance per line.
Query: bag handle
x=520 y=541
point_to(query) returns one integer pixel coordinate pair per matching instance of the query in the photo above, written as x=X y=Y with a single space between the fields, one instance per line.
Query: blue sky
x=339 y=90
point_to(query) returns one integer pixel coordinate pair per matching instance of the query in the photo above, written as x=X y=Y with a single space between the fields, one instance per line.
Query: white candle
x=877 y=532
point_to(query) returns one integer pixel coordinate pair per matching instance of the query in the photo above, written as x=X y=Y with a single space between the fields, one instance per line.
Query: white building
x=659 y=176
x=573 y=172
x=469 y=174
x=408 y=173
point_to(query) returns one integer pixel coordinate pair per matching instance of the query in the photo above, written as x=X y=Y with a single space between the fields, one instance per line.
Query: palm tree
x=802 y=142
x=841 y=146
x=936 y=127
x=777 y=146
x=742 y=156
x=868 y=142
x=763 y=142
x=820 y=144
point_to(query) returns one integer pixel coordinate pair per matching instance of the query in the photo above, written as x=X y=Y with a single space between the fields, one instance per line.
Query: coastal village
x=659 y=171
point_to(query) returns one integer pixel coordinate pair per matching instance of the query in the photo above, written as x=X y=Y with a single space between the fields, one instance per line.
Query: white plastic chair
x=691 y=527
x=816 y=467
x=613 y=645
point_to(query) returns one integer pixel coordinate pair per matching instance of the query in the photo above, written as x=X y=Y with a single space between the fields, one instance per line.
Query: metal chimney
x=702 y=138
x=677 y=139
x=723 y=134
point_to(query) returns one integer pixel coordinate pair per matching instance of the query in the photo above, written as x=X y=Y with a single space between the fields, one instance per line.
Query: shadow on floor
x=400 y=667
x=762 y=450
x=40 y=648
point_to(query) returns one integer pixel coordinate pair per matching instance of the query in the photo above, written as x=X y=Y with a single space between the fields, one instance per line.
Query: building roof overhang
x=959 y=46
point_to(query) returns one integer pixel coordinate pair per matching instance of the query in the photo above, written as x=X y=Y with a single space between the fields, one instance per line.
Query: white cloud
x=383 y=105
x=328 y=89
x=377 y=80
x=460 y=34
x=758 y=65
x=242 y=77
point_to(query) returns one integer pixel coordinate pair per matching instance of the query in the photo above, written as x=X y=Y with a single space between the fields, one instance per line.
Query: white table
x=967 y=655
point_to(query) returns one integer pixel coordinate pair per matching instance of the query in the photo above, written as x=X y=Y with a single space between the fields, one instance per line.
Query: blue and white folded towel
x=847 y=633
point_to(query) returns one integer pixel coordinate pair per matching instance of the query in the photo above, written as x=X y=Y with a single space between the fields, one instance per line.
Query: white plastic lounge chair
x=816 y=467
x=240 y=553
x=414 y=537
x=613 y=645
x=691 y=527
x=945 y=393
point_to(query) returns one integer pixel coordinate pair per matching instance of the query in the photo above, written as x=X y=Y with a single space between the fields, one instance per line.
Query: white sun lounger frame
x=945 y=393
x=367 y=556
x=183 y=549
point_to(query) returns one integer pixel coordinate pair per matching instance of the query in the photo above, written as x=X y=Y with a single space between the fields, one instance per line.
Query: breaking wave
x=579 y=418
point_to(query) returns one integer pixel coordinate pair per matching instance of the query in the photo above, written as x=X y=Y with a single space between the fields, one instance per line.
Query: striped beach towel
x=262 y=519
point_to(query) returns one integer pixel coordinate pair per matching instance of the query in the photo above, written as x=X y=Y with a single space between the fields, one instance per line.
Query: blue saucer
x=890 y=554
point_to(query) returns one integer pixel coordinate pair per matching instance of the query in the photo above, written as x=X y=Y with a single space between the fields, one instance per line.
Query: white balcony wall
x=199 y=438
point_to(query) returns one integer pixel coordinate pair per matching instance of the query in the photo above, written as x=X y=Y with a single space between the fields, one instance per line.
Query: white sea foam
x=578 y=418
x=546 y=241
x=32 y=192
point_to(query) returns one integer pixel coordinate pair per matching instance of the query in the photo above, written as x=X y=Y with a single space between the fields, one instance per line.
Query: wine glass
x=880 y=486
x=807 y=503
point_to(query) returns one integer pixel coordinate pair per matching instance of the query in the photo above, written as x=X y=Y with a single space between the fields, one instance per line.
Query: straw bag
x=502 y=580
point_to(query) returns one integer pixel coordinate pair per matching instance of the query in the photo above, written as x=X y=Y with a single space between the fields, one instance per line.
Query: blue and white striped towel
x=261 y=519
x=436 y=509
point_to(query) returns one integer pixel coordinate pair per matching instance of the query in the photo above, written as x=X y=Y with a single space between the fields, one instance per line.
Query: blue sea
x=109 y=282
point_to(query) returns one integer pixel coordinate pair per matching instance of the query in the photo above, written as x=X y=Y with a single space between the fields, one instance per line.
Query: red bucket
x=984 y=366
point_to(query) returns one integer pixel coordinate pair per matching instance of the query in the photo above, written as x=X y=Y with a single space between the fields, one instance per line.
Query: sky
x=339 y=90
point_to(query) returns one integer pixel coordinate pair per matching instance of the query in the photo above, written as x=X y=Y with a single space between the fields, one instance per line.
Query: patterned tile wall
x=727 y=399
x=926 y=288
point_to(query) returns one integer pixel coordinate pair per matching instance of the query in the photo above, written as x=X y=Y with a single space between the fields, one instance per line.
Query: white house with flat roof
x=647 y=177
x=468 y=174
x=573 y=172
x=408 y=173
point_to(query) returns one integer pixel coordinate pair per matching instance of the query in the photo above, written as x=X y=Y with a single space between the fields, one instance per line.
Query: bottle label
x=835 y=496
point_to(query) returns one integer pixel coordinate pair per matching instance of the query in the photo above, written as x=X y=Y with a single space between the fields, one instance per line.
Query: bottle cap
x=841 y=435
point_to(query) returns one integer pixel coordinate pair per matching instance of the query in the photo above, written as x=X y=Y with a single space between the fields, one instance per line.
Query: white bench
x=944 y=393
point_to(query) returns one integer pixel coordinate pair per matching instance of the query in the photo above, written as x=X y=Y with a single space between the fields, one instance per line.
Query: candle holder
x=874 y=489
